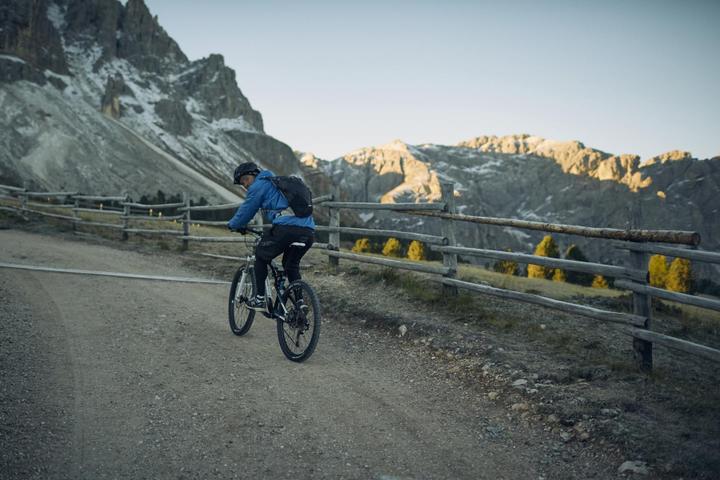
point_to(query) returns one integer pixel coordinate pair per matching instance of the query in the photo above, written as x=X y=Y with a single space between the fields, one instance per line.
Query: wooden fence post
x=642 y=349
x=186 y=221
x=334 y=237
x=126 y=216
x=23 y=200
x=76 y=216
x=448 y=231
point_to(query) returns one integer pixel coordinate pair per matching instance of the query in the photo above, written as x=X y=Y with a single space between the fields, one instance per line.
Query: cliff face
x=572 y=156
x=100 y=59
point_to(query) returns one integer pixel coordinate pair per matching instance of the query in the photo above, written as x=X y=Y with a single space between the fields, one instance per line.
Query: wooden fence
x=632 y=277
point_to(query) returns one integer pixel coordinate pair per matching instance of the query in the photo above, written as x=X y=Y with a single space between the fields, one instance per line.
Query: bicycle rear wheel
x=299 y=332
x=239 y=316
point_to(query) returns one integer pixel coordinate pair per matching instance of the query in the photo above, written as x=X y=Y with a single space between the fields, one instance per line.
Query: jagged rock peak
x=573 y=157
x=671 y=156
x=26 y=32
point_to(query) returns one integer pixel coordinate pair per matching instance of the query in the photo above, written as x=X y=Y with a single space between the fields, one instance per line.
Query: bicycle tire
x=239 y=316
x=296 y=326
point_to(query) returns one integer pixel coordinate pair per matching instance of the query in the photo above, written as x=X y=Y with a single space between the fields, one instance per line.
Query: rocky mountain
x=95 y=96
x=527 y=177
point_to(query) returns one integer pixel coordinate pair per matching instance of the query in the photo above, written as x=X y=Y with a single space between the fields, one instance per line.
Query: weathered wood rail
x=123 y=208
x=632 y=277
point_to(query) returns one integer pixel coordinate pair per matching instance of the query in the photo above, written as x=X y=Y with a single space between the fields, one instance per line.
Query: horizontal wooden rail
x=677 y=344
x=101 y=198
x=585 y=311
x=100 y=224
x=665 y=236
x=97 y=210
x=73 y=271
x=322 y=198
x=47 y=214
x=13 y=198
x=49 y=205
x=699 y=255
x=228 y=239
x=224 y=206
x=403 y=264
x=154 y=231
x=404 y=207
x=12 y=189
x=209 y=222
x=49 y=194
x=430 y=239
x=16 y=211
x=151 y=218
x=154 y=206
x=573 y=265
x=668 y=295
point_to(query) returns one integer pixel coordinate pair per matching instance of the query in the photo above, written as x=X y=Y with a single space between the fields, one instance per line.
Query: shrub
x=392 y=248
x=579 y=278
x=658 y=268
x=416 y=251
x=508 y=267
x=362 y=245
x=546 y=248
x=600 y=282
x=679 y=277
x=559 y=276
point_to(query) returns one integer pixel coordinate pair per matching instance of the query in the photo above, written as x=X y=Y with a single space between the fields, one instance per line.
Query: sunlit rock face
x=572 y=156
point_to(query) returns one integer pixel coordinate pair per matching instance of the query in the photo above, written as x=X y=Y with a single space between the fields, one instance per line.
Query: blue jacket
x=262 y=194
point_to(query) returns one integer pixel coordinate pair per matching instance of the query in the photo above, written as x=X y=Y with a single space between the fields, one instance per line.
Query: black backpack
x=298 y=195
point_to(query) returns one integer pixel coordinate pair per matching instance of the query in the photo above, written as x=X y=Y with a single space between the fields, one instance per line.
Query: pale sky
x=332 y=76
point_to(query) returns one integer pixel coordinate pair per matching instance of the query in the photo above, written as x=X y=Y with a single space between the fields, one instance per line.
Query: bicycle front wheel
x=242 y=287
x=299 y=331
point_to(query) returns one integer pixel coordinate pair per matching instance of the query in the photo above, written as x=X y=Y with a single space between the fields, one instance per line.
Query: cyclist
x=290 y=235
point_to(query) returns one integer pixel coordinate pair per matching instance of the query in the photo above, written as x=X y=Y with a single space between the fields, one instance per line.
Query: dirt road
x=122 y=378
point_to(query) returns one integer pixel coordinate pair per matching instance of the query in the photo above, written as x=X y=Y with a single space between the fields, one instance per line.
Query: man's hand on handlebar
x=245 y=230
x=242 y=230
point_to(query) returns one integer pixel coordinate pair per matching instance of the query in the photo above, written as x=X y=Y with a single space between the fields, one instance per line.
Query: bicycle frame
x=277 y=310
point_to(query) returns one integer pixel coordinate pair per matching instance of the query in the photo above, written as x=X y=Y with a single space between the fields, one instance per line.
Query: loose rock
x=634 y=466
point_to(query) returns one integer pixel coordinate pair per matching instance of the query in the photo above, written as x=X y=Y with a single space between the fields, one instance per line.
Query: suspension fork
x=241 y=286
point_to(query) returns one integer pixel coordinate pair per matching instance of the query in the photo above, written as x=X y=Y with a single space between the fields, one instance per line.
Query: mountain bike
x=294 y=307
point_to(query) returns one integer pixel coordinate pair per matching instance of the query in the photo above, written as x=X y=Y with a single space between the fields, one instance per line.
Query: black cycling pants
x=280 y=239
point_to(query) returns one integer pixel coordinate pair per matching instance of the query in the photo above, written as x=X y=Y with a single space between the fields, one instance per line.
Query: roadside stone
x=566 y=436
x=552 y=418
x=403 y=330
x=492 y=395
x=519 y=382
x=634 y=466
x=520 y=407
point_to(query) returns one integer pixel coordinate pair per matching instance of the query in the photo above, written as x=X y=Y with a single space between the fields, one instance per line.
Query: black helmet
x=248 y=168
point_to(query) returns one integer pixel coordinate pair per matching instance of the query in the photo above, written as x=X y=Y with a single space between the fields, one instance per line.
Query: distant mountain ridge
x=71 y=69
x=528 y=177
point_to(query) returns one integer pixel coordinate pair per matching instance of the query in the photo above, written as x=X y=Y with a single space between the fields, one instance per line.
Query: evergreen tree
x=658 y=268
x=392 y=248
x=579 y=278
x=600 y=282
x=160 y=197
x=679 y=277
x=508 y=267
x=362 y=245
x=546 y=248
x=416 y=251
